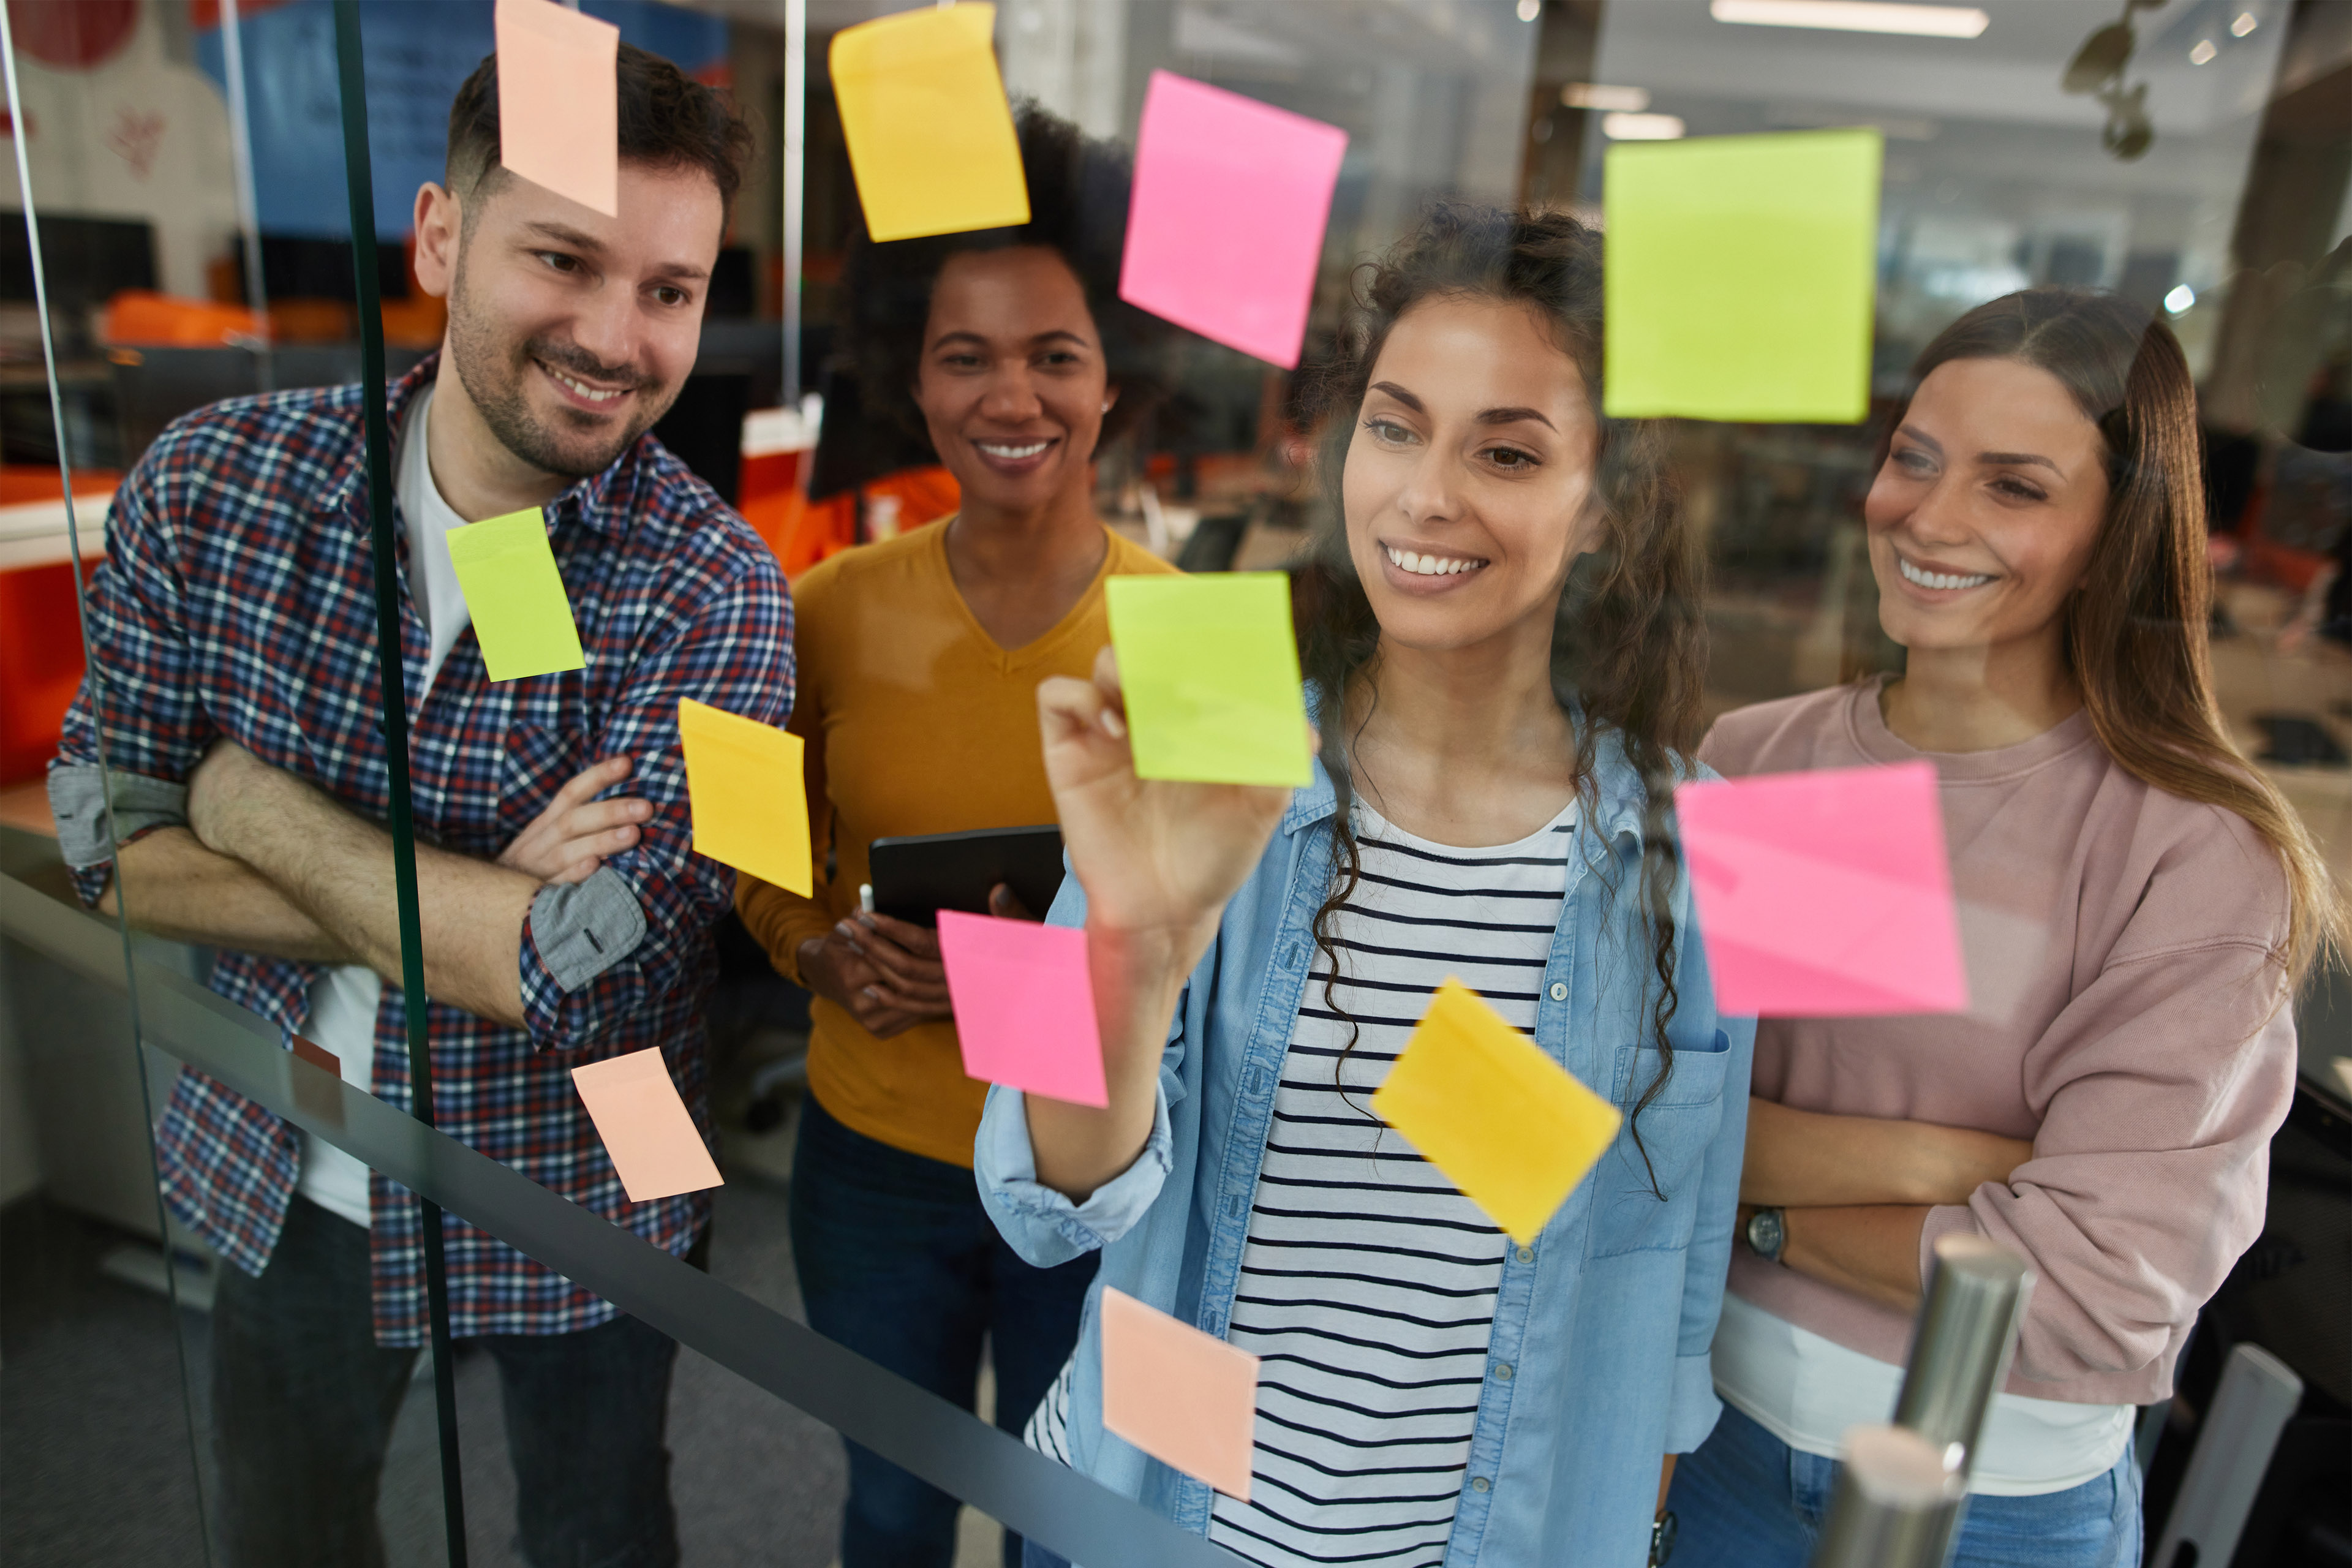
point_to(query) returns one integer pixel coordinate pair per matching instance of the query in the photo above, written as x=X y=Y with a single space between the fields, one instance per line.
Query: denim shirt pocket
x=1645 y=1197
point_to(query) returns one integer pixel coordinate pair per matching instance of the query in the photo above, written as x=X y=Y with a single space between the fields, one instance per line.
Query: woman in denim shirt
x=1504 y=656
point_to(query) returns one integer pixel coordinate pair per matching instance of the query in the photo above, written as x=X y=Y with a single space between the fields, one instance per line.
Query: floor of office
x=95 y=1448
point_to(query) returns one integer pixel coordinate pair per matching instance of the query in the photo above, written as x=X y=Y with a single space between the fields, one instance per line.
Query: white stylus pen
x=866 y=897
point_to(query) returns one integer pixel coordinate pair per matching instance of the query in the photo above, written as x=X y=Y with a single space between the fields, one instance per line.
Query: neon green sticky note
x=1740 y=276
x=930 y=138
x=1212 y=677
x=1506 y=1124
x=515 y=595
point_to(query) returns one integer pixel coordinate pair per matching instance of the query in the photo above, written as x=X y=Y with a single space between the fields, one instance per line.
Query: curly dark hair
x=1628 y=649
x=1078 y=189
x=667 y=119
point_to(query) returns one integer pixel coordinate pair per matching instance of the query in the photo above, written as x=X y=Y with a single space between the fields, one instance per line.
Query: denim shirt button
x=1560 y=990
x=1480 y=1484
x=1502 y=1371
x=1525 y=1254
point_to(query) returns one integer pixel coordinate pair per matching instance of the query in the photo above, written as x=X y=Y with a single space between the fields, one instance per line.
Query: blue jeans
x=1747 y=1499
x=898 y=1262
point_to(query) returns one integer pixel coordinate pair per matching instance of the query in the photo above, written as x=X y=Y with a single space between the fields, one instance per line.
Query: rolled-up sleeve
x=629 y=935
x=2159 y=1088
x=137 y=707
x=1042 y=1224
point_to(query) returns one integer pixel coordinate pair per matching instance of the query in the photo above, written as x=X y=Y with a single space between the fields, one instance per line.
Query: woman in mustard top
x=920 y=660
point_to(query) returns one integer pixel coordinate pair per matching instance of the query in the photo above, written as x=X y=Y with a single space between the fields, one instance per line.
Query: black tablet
x=914 y=877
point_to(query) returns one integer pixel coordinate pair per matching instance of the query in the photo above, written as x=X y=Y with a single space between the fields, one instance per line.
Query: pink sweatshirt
x=2126 y=1014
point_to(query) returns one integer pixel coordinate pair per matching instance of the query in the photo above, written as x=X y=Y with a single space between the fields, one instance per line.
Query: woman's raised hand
x=1153 y=855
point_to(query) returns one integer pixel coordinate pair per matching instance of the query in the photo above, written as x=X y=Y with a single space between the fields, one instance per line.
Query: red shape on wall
x=72 y=35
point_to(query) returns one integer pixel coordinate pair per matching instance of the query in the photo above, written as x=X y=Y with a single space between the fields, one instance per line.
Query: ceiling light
x=1531 y=9
x=2181 y=299
x=2246 y=23
x=2203 y=53
x=1855 y=16
x=1624 y=127
x=1594 y=95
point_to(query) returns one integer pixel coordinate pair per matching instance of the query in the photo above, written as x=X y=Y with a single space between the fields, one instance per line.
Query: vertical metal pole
x=248 y=203
x=1890 y=1503
x=795 y=158
x=358 y=179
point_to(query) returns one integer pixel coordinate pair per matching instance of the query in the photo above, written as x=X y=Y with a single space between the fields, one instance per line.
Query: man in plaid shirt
x=236 y=698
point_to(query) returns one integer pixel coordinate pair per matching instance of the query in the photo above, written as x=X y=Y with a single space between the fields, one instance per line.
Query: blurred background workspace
x=185 y=163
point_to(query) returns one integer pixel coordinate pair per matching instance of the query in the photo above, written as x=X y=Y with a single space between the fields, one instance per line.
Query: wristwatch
x=1662 y=1539
x=1768 y=1232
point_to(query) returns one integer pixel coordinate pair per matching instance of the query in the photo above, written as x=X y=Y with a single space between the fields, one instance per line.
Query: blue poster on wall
x=419 y=52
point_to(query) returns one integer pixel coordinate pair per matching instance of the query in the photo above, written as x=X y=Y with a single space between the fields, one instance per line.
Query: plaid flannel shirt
x=237 y=600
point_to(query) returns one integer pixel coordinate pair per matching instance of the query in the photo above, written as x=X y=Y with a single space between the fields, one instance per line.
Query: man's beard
x=492 y=371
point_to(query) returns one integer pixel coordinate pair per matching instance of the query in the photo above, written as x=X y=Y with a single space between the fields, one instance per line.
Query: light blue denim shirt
x=1597 y=1362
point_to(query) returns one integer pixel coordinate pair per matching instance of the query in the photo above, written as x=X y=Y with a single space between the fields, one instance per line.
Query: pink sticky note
x=1825 y=894
x=1226 y=226
x=559 y=104
x=645 y=1126
x=1186 y=1399
x=1024 y=1005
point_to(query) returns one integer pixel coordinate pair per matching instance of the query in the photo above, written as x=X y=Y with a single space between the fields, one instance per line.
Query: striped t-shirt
x=1367 y=1281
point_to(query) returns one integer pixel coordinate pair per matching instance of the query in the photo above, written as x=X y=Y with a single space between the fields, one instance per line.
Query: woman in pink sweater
x=2136 y=903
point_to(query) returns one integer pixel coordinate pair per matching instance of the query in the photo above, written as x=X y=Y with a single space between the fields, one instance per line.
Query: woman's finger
x=1005 y=905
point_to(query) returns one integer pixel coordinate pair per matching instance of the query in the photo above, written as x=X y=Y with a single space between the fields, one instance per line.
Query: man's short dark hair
x=667 y=119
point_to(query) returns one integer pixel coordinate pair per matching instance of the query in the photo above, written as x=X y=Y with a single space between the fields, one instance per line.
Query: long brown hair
x=1629 y=646
x=2135 y=637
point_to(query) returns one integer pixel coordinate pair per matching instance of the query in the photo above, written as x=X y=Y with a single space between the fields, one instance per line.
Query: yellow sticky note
x=1741 y=273
x=930 y=138
x=515 y=595
x=751 y=807
x=1211 y=673
x=1505 y=1124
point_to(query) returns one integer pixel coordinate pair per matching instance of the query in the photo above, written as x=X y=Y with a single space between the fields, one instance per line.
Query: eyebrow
x=1994 y=459
x=1486 y=415
x=1056 y=334
x=576 y=240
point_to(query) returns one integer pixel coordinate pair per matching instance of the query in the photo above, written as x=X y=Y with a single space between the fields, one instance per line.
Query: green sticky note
x=1740 y=276
x=1212 y=677
x=515 y=597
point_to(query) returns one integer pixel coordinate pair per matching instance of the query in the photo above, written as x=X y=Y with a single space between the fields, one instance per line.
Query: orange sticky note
x=645 y=1126
x=558 y=101
x=1506 y=1124
x=1186 y=1399
x=750 y=805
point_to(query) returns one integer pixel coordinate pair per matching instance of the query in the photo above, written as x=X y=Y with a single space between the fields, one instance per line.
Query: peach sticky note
x=645 y=1126
x=930 y=138
x=558 y=106
x=320 y=1098
x=1505 y=1124
x=1225 y=229
x=1186 y=1399
x=1024 y=1005
x=515 y=595
x=1825 y=894
x=750 y=804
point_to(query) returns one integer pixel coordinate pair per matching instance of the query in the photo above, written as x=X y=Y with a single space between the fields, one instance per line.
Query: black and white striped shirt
x=1368 y=1282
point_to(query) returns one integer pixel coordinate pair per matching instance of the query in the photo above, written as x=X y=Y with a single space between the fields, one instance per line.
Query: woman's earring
x=1107 y=402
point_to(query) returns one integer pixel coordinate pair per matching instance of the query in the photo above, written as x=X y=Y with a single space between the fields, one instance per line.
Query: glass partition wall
x=272 y=1362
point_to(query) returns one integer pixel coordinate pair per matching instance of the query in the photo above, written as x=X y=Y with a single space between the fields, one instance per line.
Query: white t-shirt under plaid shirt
x=1368 y=1282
